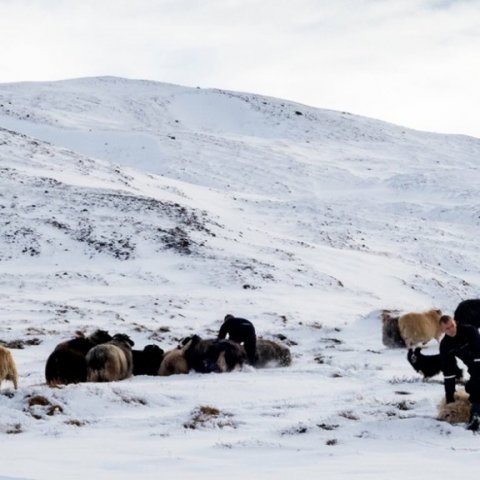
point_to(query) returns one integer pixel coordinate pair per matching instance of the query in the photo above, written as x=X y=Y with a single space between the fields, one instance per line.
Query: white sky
x=411 y=62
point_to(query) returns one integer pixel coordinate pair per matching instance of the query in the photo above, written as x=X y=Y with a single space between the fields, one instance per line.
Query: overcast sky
x=411 y=62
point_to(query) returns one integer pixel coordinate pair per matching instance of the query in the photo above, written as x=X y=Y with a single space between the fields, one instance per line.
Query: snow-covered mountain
x=155 y=209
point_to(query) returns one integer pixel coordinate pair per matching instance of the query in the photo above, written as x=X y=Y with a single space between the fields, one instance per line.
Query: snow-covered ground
x=154 y=210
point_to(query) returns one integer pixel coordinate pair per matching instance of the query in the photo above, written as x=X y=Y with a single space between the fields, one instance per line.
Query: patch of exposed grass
x=206 y=416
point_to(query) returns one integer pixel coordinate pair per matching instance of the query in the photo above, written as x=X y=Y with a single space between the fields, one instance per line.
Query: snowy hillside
x=154 y=210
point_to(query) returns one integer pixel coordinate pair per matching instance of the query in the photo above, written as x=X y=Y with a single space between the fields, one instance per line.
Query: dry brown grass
x=206 y=416
x=38 y=406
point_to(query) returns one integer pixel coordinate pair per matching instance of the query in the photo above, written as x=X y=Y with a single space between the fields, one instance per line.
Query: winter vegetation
x=153 y=210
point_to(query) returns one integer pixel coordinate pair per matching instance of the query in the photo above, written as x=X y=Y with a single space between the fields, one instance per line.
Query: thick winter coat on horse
x=111 y=361
x=270 y=353
x=67 y=363
x=213 y=355
x=417 y=328
x=8 y=369
x=148 y=360
x=173 y=363
x=390 y=332
x=457 y=411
